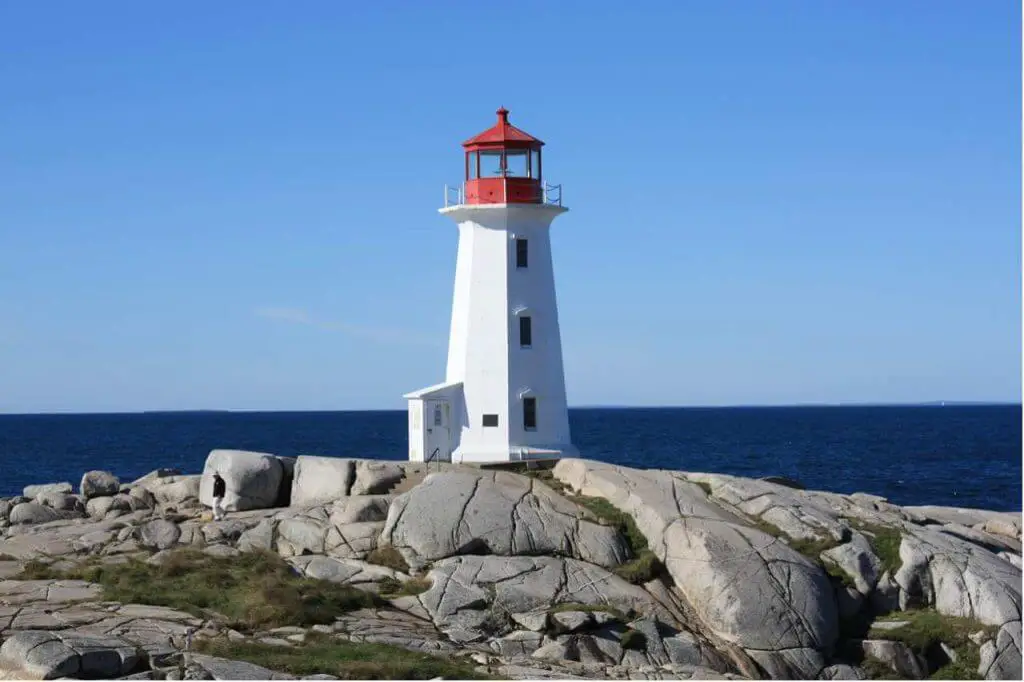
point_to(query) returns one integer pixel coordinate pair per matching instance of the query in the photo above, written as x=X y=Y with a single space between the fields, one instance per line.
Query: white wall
x=484 y=352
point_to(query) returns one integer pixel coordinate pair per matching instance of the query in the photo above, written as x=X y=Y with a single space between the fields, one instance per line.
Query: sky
x=233 y=205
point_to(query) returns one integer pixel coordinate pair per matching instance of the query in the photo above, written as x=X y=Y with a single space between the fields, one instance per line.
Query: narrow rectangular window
x=529 y=413
x=525 y=331
x=522 y=253
x=490 y=420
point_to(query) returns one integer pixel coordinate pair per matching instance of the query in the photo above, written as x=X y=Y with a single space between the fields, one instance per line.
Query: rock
x=99 y=484
x=535 y=621
x=518 y=643
x=897 y=656
x=156 y=474
x=159 y=534
x=856 y=559
x=61 y=501
x=33 y=491
x=347 y=571
x=495 y=513
x=33 y=512
x=90 y=542
x=228 y=530
x=260 y=536
x=842 y=671
x=942 y=515
x=465 y=589
x=171 y=490
x=1007 y=525
x=747 y=587
x=957 y=578
x=99 y=507
x=375 y=478
x=253 y=479
x=352 y=540
x=140 y=498
x=5 y=509
x=48 y=655
x=1001 y=659
x=220 y=551
x=571 y=621
x=302 y=534
x=360 y=509
x=319 y=480
x=559 y=650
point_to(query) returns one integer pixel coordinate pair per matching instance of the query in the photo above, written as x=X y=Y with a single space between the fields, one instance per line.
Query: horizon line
x=595 y=406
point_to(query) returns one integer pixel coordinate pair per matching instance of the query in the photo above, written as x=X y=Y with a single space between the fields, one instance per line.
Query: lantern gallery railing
x=456 y=196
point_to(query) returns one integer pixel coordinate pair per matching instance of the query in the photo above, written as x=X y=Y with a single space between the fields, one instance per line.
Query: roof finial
x=503 y=116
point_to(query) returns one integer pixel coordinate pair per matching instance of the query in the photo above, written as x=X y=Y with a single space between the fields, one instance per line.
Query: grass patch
x=391 y=588
x=343 y=659
x=885 y=543
x=591 y=608
x=633 y=639
x=253 y=590
x=768 y=527
x=645 y=565
x=924 y=631
x=389 y=557
x=877 y=670
x=813 y=547
x=644 y=568
x=610 y=515
x=547 y=477
x=839 y=574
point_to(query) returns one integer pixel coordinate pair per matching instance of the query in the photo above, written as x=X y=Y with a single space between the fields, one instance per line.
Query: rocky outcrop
x=746 y=587
x=450 y=514
x=752 y=577
x=253 y=479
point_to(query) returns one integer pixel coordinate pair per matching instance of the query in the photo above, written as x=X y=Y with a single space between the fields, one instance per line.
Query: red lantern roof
x=504 y=134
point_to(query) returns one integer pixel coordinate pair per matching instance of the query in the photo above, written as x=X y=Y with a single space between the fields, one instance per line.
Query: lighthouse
x=503 y=398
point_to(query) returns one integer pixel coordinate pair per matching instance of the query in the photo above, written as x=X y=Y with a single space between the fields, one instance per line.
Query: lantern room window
x=517 y=163
x=491 y=165
x=472 y=166
x=535 y=164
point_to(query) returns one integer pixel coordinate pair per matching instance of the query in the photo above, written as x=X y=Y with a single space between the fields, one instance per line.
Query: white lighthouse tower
x=503 y=398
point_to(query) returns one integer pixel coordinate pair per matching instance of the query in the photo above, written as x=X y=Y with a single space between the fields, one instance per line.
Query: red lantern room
x=503 y=166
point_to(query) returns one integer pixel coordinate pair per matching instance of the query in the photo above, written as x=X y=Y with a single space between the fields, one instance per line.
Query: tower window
x=530 y=414
x=525 y=331
x=490 y=420
x=522 y=253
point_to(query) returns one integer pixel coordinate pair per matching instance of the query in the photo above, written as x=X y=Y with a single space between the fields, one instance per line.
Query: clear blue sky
x=232 y=205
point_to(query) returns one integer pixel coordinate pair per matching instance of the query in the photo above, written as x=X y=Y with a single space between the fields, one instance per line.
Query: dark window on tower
x=525 y=331
x=490 y=420
x=529 y=413
x=522 y=253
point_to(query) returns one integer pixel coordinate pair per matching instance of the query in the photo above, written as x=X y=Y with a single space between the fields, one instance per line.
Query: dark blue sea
x=968 y=456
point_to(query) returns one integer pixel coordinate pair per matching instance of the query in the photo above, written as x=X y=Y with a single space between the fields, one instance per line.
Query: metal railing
x=456 y=196
x=433 y=457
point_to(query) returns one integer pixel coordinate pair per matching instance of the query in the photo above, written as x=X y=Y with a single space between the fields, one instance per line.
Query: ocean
x=966 y=456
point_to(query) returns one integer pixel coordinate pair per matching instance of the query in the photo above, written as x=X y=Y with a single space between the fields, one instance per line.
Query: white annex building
x=503 y=398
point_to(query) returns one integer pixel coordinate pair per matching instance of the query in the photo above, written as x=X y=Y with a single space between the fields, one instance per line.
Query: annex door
x=437 y=420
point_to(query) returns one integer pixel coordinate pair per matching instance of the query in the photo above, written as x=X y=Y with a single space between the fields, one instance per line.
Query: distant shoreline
x=930 y=404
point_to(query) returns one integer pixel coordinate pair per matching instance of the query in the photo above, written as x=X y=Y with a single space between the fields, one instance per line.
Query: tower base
x=514 y=453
